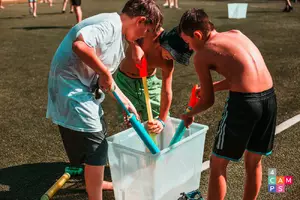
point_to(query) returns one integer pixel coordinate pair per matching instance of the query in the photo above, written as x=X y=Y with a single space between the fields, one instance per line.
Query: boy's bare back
x=234 y=56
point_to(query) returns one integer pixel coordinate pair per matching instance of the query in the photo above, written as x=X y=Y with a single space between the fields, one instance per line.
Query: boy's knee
x=217 y=163
x=252 y=158
x=252 y=161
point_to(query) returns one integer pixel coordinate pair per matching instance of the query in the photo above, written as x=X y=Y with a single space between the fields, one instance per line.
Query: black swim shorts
x=85 y=147
x=248 y=123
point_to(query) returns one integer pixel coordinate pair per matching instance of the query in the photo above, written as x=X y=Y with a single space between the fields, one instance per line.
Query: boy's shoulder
x=153 y=37
x=226 y=37
x=205 y=57
x=234 y=31
x=103 y=20
x=112 y=18
x=204 y=52
x=168 y=65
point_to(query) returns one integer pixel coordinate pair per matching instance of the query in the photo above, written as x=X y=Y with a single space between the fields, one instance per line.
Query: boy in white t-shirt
x=87 y=57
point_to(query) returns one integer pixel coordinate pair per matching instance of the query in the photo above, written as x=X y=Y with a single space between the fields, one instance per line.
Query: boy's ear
x=141 y=19
x=198 y=34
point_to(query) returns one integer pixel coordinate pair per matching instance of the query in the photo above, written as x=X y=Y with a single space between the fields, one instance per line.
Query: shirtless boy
x=249 y=118
x=160 y=50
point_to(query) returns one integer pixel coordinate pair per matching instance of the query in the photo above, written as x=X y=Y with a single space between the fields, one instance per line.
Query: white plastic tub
x=139 y=175
x=237 y=10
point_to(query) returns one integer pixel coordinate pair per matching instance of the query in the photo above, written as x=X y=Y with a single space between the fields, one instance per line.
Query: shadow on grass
x=29 y=28
x=25 y=16
x=221 y=17
x=75 y=189
x=18 y=17
x=53 y=13
x=264 y=11
x=254 y=12
x=31 y=181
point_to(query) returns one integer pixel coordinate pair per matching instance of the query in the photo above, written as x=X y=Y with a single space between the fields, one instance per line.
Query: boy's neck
x=211 y=35
x=157 y=34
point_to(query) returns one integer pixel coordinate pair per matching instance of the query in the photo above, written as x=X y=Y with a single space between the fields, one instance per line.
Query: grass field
x=32 y=155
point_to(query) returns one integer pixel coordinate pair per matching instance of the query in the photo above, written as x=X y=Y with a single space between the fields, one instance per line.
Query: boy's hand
x=155 y=126
x=127 y=123
x=187 y=120
x=198 y=92
x=105 y=82
x=132 y=109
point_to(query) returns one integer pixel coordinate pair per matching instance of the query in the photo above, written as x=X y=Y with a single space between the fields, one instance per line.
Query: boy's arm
x=166 y=99
x=221 y=85
x=166 y=90
x=88 y=56
x=207 y=89
x=124 y=99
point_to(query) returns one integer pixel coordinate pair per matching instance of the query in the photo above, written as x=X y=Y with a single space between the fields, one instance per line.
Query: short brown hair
x=146 y=8
x=195 y=19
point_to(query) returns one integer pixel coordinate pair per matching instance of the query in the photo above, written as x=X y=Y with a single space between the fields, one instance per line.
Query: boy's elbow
x=75 y=46
x=167 y=95
x=79 y=46
x=209 y=102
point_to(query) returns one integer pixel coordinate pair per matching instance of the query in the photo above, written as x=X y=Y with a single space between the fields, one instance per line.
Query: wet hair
x=145 y=8
x=195 y=19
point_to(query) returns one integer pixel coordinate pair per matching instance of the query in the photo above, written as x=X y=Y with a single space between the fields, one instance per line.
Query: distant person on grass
x=161 y=49
x=1 y=5
x=77 y=7
x=249 y=119
x=171 y=4
x=86 y=59
x=168 y=3
x=47 y=1
x=32 y=7
x=65 y=6
x=288 y=6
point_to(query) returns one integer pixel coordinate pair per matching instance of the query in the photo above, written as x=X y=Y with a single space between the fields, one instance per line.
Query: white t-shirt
x=71 y=102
